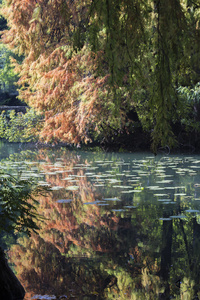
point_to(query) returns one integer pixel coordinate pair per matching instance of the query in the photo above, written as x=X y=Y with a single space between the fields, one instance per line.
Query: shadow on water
x=116 y=226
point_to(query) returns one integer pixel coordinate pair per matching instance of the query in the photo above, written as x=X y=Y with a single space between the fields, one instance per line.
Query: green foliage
x=18 y=204
x=190 y=100
x=7 y=75
x=189 y=94
x=20 y=127
x=155 y=38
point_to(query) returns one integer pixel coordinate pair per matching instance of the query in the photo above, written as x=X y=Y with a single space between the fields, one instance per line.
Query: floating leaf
x=111 y=199
x=44 y=297
x=43 y=183
x=64 y=200
x=130 y=191
x=164 y=181
x=123 y=186
x=56 y=188
x=72 y=188
x=94 y=202
x=113 y=180
x=153 y=187
x=133 y=180
x=163 y=200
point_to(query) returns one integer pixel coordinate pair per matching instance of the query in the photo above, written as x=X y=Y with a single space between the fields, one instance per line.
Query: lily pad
x=72 y=188
x=94 y=202
x=64 y=200
x=118 y=210
x=163 y=200
x=43 y=297
x=56 y=188
x=129 y=192
x=164 y=181
x=111 y=199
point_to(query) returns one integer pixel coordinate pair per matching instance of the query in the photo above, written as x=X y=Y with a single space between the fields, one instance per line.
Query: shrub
x=20 y=127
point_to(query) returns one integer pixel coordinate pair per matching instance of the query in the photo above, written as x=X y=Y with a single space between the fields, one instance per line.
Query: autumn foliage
x=88 y=64
x=55 y=78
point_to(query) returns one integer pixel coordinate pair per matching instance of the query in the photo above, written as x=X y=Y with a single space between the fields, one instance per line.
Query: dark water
x=118 y=226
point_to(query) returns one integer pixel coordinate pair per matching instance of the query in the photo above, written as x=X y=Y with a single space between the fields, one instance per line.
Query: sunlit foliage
x=86 y=63
x=19 y=127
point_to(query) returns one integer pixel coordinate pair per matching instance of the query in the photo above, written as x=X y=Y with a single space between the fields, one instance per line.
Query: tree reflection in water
x=17 y=214
x=100 y=251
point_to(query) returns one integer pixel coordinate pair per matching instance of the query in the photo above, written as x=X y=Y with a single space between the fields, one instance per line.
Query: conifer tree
x=88 y=63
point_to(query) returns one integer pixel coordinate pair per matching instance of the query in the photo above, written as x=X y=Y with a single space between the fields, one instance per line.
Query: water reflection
x=118 y=226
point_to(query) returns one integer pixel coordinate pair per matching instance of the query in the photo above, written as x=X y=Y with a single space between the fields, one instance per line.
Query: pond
x=117 y=225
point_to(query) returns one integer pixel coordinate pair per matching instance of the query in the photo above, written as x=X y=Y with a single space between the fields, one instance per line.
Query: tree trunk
x=166 y=257
x=10 y=287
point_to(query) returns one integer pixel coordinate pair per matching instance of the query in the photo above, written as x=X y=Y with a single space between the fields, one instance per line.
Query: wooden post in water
x=10 y=287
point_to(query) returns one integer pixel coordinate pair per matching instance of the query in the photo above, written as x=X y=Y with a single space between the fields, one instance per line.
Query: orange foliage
x=55 y=78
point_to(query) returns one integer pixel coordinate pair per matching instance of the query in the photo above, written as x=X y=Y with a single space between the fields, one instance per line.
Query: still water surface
x=118 y=225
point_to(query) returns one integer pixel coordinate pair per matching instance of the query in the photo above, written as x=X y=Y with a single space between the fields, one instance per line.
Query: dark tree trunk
x=10 y=287
x=166 y=257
